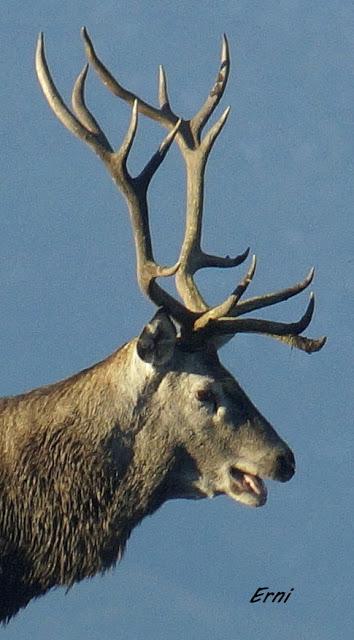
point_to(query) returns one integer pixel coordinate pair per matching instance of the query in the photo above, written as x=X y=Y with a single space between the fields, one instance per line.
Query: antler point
x=225 y=48
x=40 y=44
x=85 y=36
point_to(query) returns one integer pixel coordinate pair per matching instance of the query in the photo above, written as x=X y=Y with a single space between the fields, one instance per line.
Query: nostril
x=285 y=466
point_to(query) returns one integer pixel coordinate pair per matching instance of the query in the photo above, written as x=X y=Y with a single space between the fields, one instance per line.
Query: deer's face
x=223 y=444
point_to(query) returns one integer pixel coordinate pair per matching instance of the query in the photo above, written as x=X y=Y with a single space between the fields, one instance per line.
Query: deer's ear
x=156 y=343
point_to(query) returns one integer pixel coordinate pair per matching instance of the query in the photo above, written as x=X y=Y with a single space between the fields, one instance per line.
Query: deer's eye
x=207 y=397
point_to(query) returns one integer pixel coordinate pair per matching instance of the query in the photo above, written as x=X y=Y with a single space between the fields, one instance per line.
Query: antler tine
x=268 y=326
x=226 y=308
x=94 y=138
x=164 y=100
x=155 y=161
x=216 y=93
x=288 y=333
x=123 y=152
x=268 y=299
x=310 y=345
x=118 y=90
x=214 y=131
x=82 y=112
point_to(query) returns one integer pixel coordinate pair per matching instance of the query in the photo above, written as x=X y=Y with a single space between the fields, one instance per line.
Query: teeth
x=252 y=483
x=246 y=485
x=248 y=481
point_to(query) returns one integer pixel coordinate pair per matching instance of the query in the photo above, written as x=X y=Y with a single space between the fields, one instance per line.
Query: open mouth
x=247 y=488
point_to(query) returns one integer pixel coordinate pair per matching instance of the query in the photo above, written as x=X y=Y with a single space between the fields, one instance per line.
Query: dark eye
x=206 y=395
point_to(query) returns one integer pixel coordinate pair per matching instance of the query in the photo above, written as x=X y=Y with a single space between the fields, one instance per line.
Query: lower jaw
x=250 y=500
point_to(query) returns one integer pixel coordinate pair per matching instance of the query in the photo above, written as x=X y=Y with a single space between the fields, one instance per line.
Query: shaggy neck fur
x=79 y=470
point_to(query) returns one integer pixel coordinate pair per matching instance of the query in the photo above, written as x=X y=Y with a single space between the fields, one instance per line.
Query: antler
x=199 y=322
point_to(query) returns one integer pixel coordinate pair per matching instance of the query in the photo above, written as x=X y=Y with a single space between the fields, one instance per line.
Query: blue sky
x=280 y=180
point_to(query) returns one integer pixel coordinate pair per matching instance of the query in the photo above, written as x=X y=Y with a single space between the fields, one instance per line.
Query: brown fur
x=67 y=471
x=85 y=459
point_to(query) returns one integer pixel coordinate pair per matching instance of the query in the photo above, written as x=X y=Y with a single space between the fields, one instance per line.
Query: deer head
x=234 y=446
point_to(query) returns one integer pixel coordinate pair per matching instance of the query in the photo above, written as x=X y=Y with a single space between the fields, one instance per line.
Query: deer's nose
x=285 y=466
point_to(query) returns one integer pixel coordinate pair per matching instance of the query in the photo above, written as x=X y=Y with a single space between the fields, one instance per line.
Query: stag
x=84 y=460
